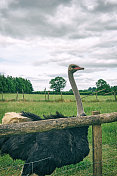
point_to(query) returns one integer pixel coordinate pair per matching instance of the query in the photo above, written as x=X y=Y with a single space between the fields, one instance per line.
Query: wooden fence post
x=48 y=95
x=2 y=96
x=17 y=96
x=23 y=94
x=97 y=147
x=96 y=95
x=115 y=95
x=45 y=94
x=61 y=96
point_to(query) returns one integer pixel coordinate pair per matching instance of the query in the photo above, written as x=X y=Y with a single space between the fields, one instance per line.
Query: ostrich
x=53 y=149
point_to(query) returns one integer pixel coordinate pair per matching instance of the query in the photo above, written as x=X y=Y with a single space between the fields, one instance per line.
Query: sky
x=40 y=38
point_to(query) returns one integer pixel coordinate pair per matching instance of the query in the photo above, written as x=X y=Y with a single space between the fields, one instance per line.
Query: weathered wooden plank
x=51 y=124
x=97 y=147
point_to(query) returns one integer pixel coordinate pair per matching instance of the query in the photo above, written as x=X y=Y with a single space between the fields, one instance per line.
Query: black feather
x=55 y=116
x=32 y=116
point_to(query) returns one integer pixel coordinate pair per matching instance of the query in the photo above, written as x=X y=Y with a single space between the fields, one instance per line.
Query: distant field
x=37 y=104
x=41 y=97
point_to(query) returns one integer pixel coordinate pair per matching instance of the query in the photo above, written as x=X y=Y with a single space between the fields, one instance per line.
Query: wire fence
x=57 y=98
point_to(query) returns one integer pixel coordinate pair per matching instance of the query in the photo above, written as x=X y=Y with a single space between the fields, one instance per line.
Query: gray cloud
x=47 y=6
x=64 y=75
x=58 y=19
x=105 y=6
x=40 y=79
x=99 y=6
x=39 y=63
x=28 y=18
x=51 y=34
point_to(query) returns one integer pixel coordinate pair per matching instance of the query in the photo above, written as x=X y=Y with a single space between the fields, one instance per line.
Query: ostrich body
x=51 y=149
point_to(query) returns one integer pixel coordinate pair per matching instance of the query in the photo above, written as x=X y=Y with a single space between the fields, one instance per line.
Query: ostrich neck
x=80 y=110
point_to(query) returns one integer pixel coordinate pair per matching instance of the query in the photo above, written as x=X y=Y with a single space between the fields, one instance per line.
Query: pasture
x=67 y=106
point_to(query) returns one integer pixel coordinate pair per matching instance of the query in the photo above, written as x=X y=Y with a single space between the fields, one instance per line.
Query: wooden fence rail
x=51 y=124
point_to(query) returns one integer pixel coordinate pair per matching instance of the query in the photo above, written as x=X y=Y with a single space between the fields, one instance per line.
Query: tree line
x=10 y=84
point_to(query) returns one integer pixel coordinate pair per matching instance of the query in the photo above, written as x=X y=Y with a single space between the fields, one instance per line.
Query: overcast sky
x=40 y=38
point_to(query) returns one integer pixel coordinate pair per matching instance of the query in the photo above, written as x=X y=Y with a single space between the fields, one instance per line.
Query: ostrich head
x=73 y=68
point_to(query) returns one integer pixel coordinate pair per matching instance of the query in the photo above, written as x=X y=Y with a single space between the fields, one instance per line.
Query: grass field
x=37 y=104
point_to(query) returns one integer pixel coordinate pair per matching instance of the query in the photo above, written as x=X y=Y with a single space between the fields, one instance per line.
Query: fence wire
x=84 y=168
x=57 y=98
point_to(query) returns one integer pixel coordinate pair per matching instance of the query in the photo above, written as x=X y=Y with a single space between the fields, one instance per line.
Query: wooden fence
x=46 y=97
x=95 y=120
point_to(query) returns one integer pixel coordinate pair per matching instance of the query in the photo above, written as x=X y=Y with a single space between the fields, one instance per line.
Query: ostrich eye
x=73 y=66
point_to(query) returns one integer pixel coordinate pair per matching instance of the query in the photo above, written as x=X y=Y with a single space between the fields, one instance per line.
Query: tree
x=57 y=84
x=102 y=84
x=3 y=84
x=12 y=85
x=92 y=89
x=114 y=89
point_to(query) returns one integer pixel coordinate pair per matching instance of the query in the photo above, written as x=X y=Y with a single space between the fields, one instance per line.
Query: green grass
x=8 y=167
x=36 y=104
x=41 y=97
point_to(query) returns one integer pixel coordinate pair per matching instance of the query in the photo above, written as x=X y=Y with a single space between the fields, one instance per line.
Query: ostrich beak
x=79 y=68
